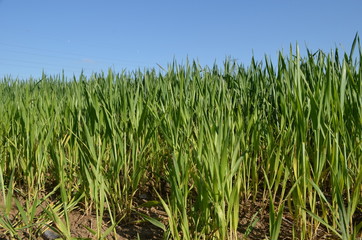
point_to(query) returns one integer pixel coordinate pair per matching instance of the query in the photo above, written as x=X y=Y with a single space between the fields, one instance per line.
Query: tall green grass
x=207 y=140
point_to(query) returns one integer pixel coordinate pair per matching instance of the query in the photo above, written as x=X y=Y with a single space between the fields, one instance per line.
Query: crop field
x=268 y=151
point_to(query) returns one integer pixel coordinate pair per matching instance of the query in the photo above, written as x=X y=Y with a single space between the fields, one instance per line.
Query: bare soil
x=254 y=223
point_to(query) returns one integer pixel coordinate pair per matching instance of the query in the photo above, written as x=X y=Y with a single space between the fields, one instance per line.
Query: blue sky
x=51 y=36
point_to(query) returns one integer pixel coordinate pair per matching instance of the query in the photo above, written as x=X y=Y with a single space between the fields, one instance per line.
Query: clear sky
x=71 y=35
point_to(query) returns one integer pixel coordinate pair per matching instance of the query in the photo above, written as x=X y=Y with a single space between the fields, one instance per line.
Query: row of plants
x=208 y=139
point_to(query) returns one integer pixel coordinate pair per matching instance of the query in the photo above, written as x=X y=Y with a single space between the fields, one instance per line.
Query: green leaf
x=152 y=220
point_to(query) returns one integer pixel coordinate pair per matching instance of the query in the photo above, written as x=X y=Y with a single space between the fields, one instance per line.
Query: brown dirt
x=254 y=223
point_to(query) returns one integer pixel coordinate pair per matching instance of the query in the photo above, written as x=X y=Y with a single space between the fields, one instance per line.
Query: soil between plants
x=253 y=223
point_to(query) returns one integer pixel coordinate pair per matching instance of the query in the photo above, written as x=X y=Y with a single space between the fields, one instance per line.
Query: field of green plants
x=196 y=143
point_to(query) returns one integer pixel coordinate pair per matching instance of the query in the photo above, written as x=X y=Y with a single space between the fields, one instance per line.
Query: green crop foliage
x=203 y=140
